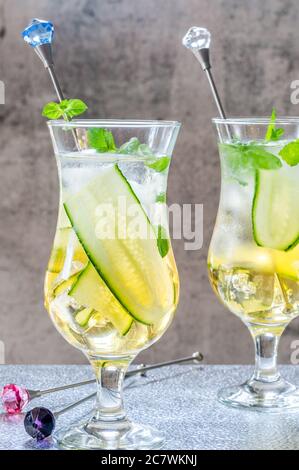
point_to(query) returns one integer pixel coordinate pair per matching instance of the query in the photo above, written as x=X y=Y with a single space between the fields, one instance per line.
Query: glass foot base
x=131 y=436
x=269 y=397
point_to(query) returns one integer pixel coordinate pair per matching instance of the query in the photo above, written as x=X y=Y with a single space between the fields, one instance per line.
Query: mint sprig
x=100 y=139
x=273 y=133
x=249 y=156
x=240 y=159
x=66 y=109
x=290 y=152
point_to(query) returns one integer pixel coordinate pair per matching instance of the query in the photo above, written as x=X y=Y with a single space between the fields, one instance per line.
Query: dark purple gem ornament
x=39 y=423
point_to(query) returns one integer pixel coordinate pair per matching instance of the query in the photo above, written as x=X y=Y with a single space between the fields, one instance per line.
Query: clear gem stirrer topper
x=198 y=40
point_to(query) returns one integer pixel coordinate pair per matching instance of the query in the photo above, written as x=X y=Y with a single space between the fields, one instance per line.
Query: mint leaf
x=101 y=140
x=160 y=164
x=259 y=158
x=63 y=104
x=110 y=141
x=278 y=133
x=73 y=107
x=271 y=126
x=272 y=133
x=66 y=108
x=161 y=197
x=162 y=240
x=241 y=158
x=290 y=153
x=249 y=156
x=52 y=110
x=96 y=138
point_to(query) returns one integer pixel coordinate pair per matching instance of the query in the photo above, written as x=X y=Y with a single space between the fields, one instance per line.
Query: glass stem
x=266 y=345
x=109 y=404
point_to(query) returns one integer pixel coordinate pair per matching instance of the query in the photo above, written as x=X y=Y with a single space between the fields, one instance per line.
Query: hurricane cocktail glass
x=112 y=286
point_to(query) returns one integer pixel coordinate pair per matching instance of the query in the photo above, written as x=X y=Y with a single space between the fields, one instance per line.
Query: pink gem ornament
x=14 y=398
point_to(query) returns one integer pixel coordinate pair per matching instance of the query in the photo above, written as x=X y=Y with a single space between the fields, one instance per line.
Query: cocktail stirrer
x=39 y=35
x=15 y=398
x=198 y=40
x=40 y=422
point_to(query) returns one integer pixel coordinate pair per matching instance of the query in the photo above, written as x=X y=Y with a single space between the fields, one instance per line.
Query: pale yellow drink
x=111 y=295
x=258 y=283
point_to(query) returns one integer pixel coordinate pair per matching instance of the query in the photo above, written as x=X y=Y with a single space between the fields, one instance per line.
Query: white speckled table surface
x=179 y=400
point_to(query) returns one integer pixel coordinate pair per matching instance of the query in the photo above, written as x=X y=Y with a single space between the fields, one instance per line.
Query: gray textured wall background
x=125 y=59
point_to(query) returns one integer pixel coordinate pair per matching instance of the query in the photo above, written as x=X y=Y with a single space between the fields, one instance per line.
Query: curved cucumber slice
x=63 y=238
x=83 y=316
x=91 y=291
x=57 y=257
x=132 y=267
x=275 y=210
x=63 y=286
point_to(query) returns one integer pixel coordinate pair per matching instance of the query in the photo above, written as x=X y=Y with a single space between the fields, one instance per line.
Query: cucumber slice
x=83 y=316
x=63 y=238
x=275 y=210
x=63 y=286
x=132 y=267
x=57 y=257
x=91 y=291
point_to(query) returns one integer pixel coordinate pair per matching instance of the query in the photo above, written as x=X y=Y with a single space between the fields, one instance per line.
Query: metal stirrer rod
x=196 y=357
x=55 y=82
x=198 y=40
x=40 y=422
x=73 y=405
x=39 y=35
x=215 y=93
x=23 y=396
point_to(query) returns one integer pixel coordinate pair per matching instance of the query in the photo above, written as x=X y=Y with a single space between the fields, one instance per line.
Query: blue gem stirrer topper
x=38 y=32
x=39 y=35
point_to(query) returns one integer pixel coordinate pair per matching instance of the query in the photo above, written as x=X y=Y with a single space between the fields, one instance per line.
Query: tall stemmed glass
x=112 y=285
x=254 y=253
